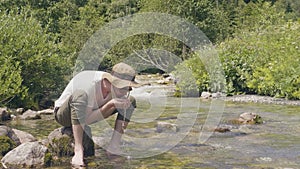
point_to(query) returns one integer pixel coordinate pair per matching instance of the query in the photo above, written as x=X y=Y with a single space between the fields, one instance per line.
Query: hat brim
x=121 y=83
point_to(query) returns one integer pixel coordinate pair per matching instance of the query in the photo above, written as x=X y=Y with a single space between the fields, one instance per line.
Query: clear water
x=273 y=144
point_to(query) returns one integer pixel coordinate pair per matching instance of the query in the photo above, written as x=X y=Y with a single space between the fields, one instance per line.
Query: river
x=273 y=144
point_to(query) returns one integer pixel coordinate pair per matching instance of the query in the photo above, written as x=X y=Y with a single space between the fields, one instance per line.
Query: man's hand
x=119 y=103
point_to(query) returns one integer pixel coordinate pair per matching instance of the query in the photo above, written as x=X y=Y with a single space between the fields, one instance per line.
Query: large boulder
x=30 y=115
x=10 y=138
x=24 y=136
x=61 y=142
x=26 y=155
x=8 y=132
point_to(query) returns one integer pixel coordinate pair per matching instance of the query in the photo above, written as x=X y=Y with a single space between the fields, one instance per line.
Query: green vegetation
x=6 y=144
x=264 y=62
x=48 y=159
x=257 y=40
x=61 y=147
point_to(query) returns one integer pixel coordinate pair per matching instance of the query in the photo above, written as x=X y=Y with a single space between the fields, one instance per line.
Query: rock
x=216 y=95
x=162 y=81
x=205 y=95
x=166 y=127
x=7 y=131
x=30 y=154
x=264 y=159
x=23 y=136
x=247 y=118
x=13 y=117
x=46 y=112
x=250 y=118
x=61 y=142
x=222 y=129
x=30 y=115
x=165 y=75
x=20 y=110
x=4 y=115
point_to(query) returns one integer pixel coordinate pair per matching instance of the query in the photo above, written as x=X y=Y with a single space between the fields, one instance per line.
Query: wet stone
x=166 y=127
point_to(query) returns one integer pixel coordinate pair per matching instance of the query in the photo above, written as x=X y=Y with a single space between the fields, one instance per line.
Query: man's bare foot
x=114 y=150
x=115 y=156
x=77 y=160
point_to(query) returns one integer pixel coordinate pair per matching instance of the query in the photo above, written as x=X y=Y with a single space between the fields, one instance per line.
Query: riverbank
x=262 y=99
x=167 y=84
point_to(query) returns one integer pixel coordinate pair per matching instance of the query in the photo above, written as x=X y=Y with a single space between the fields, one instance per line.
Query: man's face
x=121 y=92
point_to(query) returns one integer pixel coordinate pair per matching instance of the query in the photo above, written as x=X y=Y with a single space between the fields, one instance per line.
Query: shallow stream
x=273 y=144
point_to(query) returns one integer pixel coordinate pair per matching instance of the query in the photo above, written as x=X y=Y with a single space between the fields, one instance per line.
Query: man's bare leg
x=114 y=146
x=78 y=147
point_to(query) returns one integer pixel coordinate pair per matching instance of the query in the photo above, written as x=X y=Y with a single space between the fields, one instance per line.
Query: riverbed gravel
x=262 y=99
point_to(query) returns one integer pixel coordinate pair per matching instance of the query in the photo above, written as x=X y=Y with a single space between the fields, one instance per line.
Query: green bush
x=6 y=144
x=192 y=77
x=280 y=75
x=262 y=57
x=264 y=62
x=34 y=64
x=10 y=79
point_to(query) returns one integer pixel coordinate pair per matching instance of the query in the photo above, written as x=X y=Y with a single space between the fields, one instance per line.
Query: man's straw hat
x=122 y=75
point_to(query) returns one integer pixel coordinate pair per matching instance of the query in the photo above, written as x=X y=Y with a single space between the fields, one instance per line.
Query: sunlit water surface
x=273 y=144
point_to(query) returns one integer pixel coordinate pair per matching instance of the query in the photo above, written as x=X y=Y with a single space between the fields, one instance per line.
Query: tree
x=214 y=22
x=37 y=64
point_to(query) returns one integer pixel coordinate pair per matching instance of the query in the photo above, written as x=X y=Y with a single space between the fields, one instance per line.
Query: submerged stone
x=166 y=127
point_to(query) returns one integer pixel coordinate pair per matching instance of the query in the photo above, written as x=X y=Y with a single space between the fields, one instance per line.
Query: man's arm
x=106 y=110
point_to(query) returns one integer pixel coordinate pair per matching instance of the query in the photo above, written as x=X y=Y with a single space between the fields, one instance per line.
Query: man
x=92 y=96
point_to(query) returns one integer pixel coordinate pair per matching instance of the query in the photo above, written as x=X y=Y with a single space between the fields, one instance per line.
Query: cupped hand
x=120 y=103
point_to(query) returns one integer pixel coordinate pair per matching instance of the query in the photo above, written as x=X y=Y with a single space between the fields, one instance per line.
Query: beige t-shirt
x=90 y=82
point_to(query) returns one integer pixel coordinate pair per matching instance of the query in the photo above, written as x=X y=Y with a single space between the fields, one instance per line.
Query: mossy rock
x=6 y=144
x=62 y=146
x=62 y=142
x=247 y=118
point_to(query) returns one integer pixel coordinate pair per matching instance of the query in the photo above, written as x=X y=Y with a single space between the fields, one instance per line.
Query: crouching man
x=92 y=96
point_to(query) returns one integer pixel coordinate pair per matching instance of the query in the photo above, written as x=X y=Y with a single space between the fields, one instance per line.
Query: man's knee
x=79 y=98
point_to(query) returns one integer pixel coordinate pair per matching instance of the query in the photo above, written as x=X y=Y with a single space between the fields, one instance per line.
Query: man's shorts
x=73 y=110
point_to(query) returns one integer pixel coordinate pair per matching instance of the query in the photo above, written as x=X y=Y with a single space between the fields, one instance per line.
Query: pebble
x=265 y=159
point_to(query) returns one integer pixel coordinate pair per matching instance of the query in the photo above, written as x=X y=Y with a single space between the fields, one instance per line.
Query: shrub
x=6 y=144
x=199 y=74
x=34 y=66
x=264 y=62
